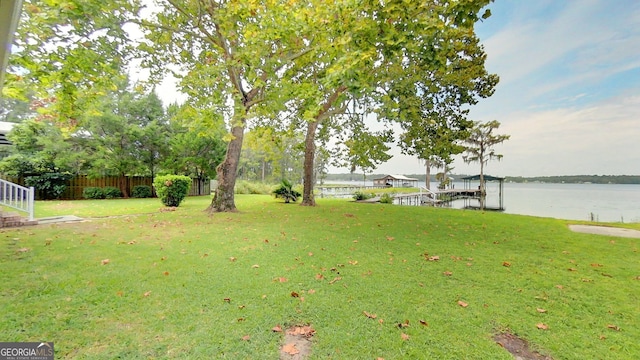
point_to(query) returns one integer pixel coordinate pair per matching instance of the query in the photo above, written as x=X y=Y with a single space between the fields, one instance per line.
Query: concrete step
x=12 y=219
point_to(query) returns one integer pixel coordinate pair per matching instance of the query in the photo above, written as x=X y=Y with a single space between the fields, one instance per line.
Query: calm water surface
x=599 y=202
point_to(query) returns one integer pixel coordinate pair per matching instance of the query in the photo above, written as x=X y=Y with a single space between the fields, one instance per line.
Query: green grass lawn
x=183 y=284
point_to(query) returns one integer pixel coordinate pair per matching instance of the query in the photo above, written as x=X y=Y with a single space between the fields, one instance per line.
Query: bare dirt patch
x=297 y=343
x=518 y=347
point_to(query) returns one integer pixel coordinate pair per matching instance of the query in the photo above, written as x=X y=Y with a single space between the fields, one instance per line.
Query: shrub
x=92 y=193
x=247 y=187
x=172 y=189
x=386 y=198
x=142 y=191
x=286 y=191
x=111 y=192
x=52 y=185
x=359 y=195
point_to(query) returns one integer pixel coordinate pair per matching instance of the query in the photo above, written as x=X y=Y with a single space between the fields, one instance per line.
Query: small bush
x=52 y=185
x=92 y=193
x=386 y=198
x=286 y=191
x=359 y=195
x=142 y=191
x=111 y=192
x=247 y=187
x=172 y=189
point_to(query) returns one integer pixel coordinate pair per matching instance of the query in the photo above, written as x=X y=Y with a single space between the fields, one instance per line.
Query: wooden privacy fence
x=76 y=185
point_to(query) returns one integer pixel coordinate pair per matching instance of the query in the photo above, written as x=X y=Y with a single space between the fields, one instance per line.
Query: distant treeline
x=571 y=179
x=580 y=179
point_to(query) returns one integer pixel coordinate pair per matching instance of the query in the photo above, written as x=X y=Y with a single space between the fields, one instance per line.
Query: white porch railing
x=429 y=193
x=17 y=197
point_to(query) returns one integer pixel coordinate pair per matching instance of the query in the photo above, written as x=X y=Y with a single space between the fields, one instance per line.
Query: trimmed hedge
x=93 y=193
x=142 y=191
x=172 y=189
x=111 y=192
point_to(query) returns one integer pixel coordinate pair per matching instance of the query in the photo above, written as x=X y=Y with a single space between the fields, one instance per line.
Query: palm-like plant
x=285 y=190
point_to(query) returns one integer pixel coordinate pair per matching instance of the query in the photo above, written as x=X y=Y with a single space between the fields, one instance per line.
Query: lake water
x=598 y=202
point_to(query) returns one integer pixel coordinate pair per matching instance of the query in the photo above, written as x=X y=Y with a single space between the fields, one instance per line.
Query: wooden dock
x=434 y=197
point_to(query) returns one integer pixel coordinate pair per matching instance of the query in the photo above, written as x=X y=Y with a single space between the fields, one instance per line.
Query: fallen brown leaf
x=542 y=326
x=290 y=349
x=434 y=258
x=255 y=266
x=572 y=269
x=276 y=328
x=232 y=259
x=146 y=294
x=227 y=300
x=307 y=331
x=506 y=264
x=597 y=265
x=319 y=276
x=282 y=279
x=447 y=273
x=405 y=337
x=613 y=327
x=462 y=303
x=295 y=294
x=424 y=323
x=335 y=280
x=105 y=261
x=390 y=238
x=370 y=316
x=311 y=292
x=166 y=273
x=560 y=287
x=404 y=324
x=541 y=310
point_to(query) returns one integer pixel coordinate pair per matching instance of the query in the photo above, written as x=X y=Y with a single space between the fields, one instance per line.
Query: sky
x=569 y=91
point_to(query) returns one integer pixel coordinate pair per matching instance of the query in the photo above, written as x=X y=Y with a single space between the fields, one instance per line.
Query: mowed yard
x=372 y=280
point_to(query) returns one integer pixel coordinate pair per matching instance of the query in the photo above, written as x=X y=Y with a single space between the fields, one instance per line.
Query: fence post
x=32 y=202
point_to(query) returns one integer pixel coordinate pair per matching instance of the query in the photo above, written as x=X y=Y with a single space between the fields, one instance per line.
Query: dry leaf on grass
x=105 y=261
x=405 y=337
x=370 y=316
x=613 y=327
x=246 y=338
x=404 y=324
x=541 y=310
x=506 y=264
x=542 y=326
x=462 y=303
x=276 y=328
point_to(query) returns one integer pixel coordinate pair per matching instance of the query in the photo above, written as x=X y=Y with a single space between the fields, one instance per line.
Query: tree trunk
x=427 y=179
x=483 y=193
x=224 y=198
x=309 y=157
